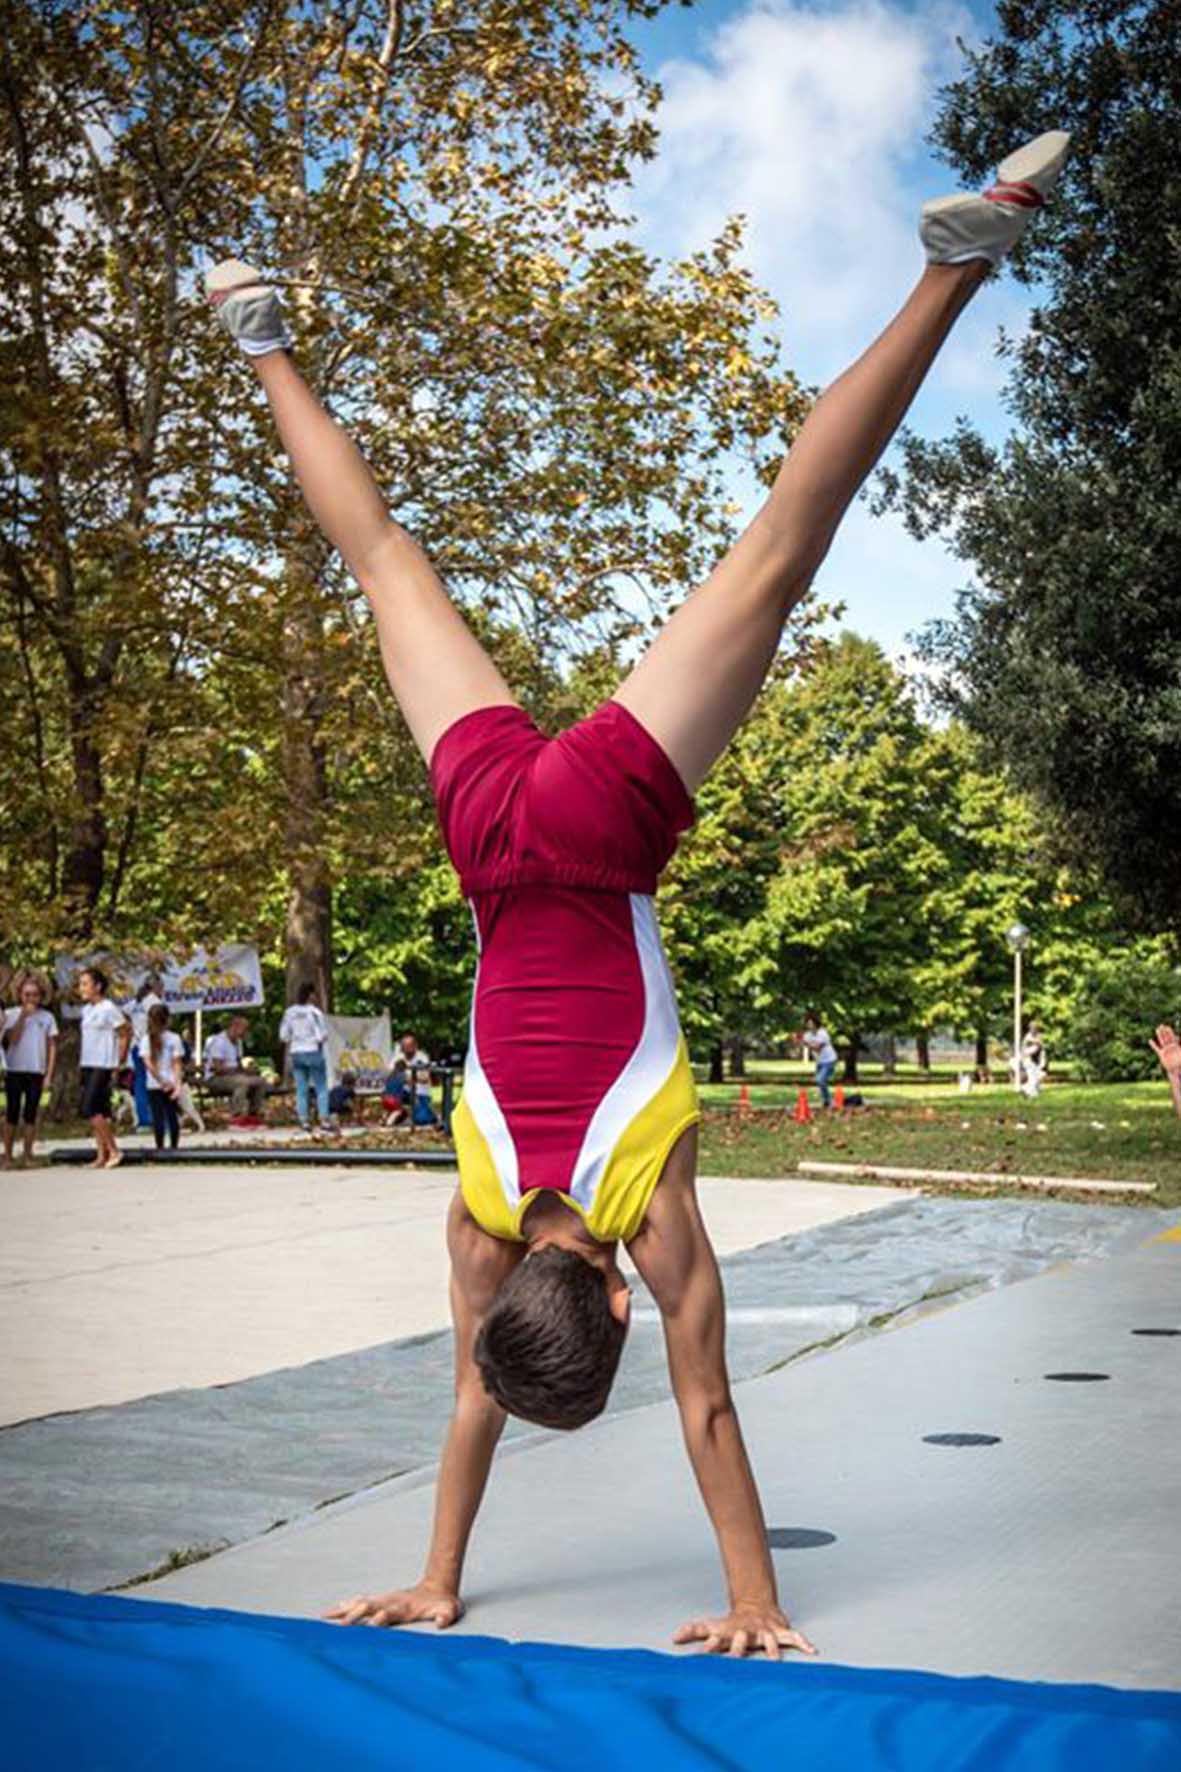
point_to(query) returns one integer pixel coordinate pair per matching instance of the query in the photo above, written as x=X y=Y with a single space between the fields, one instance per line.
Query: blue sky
x=810 y=119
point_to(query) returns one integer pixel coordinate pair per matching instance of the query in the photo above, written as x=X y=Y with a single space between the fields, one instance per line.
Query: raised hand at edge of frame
x=1168 y=1049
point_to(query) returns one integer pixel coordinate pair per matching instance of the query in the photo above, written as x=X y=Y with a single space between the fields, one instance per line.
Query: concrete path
x=115 y=1285
x=1050 y=1554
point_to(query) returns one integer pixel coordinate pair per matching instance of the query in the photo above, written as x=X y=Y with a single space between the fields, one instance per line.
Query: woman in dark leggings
x=163 y=1056
x=29 y=1038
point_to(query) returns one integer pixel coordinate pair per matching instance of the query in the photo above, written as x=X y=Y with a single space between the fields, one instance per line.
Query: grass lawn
x=1109 y=1131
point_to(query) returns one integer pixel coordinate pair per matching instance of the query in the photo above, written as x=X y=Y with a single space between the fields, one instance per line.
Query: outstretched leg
x=436 y=667
x=695 y=685
x=701 y=675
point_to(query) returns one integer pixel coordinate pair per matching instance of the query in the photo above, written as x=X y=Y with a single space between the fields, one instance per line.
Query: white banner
x=228 y=978
x=361 y=1044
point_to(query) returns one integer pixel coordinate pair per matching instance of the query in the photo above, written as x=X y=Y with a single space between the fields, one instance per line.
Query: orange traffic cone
x=744 y=1100
x=838 y=1098
x=802 y=1113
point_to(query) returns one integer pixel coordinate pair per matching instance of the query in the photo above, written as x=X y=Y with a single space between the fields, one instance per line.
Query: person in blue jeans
x=818 y=1041
x=304 y=1032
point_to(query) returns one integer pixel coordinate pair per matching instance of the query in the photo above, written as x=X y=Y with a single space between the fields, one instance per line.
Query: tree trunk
x=85 y=859
x=737 y=1057
x=308 y=930
x=890 y=1056
x=717 y=1053
x=982 y=1051
x=851 y=1050
x=922 y=1046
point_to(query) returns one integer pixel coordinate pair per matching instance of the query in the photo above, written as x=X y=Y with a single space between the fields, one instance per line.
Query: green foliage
x=1116 y=1007
x=859 y=794
x=199 y=741
x=1063 y=655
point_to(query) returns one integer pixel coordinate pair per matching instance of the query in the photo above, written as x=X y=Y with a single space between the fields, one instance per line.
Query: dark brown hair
x=158 y=1019
x=549 y=1347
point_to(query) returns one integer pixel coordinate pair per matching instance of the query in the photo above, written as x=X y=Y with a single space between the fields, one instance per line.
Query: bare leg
x=696 y=683
x=436 y=667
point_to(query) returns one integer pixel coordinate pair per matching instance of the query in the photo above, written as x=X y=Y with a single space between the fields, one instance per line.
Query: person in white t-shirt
x=106 y=1035
x=304 y=1032
x=29 y=1037
x=818 y=1041
x=227 y=1073
x=163 y=1054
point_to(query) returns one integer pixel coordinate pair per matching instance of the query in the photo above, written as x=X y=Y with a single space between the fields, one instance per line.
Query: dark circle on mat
x=1078 y=1377
x=798 y=1537
x=1156 y=1331
x=961 y=1439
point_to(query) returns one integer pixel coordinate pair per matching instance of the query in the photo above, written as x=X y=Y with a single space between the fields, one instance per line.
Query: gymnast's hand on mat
x=745 y=1631
x=422 y=1604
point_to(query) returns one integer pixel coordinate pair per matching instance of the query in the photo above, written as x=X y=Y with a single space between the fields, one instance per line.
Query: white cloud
x=810 y=120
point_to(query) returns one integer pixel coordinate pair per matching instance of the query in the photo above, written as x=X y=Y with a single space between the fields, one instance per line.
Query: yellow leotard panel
x=623 y=1190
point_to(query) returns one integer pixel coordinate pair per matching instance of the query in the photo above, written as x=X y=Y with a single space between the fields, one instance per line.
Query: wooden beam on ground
x=975 y=1177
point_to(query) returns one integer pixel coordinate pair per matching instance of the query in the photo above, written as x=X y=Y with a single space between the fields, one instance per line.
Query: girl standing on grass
x=163 y=1054
x=29 y=1038
x=106 y=1035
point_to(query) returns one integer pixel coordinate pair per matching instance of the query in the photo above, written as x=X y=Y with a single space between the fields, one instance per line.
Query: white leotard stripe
x=483 y=1105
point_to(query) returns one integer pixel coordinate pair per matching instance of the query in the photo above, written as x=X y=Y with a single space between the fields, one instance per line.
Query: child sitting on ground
x=395 y=1094
x=342 y=1096
x=424 y=1108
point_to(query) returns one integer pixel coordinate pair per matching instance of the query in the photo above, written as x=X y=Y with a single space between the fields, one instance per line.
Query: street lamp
x=1018 y=939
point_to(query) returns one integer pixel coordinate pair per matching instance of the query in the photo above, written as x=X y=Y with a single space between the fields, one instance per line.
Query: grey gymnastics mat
x=1050 y=1552
x=105 y=1496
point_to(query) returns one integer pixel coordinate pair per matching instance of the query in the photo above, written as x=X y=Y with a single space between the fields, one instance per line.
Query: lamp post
x=1018 y=939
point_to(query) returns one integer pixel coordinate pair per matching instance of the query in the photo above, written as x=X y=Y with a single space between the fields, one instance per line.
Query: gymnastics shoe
x=955 y=229
x=249 y=310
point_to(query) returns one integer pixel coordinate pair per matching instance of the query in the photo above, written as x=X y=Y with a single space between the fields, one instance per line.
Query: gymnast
x=577 y=1127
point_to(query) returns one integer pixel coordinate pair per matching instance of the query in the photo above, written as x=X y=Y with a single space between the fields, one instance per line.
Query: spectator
x=412 y=1052
x=818 y=1042
x=1168 y=1049
x=304 y=1032
x=227 y=1073
x=29 y=1038
x=395 y=1093
x=1033 y=1062
x=106 y=1035
x=424 y=1109
x=146 y=998
x=163 y=1056
x=342 y=1096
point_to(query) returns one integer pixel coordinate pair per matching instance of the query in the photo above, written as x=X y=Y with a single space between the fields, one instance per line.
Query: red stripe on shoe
x=1020 y=195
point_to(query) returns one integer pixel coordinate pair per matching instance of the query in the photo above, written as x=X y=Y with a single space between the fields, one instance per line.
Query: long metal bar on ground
x=260 y=1154
x=879 y=1172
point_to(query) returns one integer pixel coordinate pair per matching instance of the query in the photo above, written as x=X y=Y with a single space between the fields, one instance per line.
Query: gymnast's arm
x=479 y=1266
x=676 y=1260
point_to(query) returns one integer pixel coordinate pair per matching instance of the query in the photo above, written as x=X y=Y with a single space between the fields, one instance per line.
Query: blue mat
x=92 y=1683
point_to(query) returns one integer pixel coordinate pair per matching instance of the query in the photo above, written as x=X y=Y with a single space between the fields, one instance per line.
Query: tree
x=1003 y=866
x=714 y=894
x=1063 y=654
x=549 y=409
x=1117 y=1002
x=858 y=797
